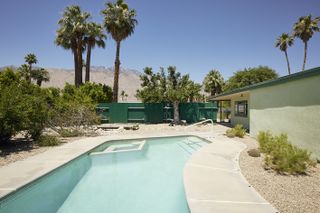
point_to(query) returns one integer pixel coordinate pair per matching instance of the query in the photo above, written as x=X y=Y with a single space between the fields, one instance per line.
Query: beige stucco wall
x=292 y=108
x=237 y=119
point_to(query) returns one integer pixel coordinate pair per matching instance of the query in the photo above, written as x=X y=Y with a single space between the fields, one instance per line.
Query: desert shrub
x=231 y=133
x=97 y=92
x=237 y=131
x=48 y=140
x=69 y=133
x=12 y=115
x=282 y=156
x=22 y=107
x=68 y=113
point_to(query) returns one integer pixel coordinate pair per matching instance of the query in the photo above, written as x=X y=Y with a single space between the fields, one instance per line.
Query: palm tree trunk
x=87 y=79
x=29 y=73
x=75 y=58
x=79 y=49
x=288 y=64
x=116 y=74
x=39 y=82
x=176 y=116
x=305 y=55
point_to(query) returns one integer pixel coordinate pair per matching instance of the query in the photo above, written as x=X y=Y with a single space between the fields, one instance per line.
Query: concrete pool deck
x=212 y=176
x=214 y=183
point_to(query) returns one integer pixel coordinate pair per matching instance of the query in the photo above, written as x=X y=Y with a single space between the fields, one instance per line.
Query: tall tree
x=213 y=82
x=25 y=72
x=283 y=42
x=120 y=22
x=250 y=76
x=31 y=59
x=193 y=91
x=94 y=36
x=123 y=95
x=40 y=75
x=304 y=29
x=70 y=35
x=169 y=88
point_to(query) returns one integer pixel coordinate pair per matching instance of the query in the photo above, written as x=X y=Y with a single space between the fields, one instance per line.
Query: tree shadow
x=15 y=146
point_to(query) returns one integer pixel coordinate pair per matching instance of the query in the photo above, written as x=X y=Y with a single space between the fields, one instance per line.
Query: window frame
x=238 y=105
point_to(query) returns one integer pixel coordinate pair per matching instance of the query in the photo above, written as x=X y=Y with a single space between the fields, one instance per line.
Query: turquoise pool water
x=141 y=181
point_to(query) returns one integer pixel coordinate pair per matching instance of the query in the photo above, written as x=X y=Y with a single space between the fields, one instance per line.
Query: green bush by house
x=282 y=156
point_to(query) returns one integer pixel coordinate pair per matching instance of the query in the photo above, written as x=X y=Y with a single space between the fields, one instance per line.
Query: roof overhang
x=228 y=97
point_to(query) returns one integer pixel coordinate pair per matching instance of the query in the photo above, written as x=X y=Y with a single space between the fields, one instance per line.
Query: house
x=289 y=104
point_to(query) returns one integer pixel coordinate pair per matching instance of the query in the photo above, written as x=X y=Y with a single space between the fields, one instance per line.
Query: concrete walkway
x=213 y=181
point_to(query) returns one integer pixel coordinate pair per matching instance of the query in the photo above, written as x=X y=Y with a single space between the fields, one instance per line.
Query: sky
x=196 y=36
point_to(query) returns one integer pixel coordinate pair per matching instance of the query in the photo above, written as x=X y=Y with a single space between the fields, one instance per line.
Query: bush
x=69 y=133
x=22 y=107
x=282 y=156
x=48 y=140
x=231 y=133
x=237 y=131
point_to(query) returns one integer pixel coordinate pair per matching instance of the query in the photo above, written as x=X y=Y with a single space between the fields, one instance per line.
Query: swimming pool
x=120 y=176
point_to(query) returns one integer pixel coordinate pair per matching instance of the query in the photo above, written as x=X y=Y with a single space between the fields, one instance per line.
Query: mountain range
x=129 y=80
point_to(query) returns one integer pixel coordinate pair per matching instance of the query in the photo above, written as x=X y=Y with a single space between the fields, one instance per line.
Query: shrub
x=231 y=133
x=22 y=107
x=237 y=131
x=48 y=140
x=69 y=133
x=282 y=156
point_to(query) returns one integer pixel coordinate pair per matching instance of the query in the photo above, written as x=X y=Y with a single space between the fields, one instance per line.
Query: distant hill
x=129 y=79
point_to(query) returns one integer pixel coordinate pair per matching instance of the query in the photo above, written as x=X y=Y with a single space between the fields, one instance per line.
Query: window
x=241 y=108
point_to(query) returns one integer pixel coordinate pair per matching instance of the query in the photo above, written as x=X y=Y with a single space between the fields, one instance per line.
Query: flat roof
x=299 y=75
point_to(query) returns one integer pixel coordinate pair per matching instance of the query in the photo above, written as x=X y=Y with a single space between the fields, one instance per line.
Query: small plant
x=231 y=133
x=67 y=133
x=48 y=140
x=282 y=156
x=135 y=127
x=237 y=131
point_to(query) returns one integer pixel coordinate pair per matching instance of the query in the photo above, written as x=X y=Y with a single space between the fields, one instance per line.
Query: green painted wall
x=154 y=112
x=292 y=108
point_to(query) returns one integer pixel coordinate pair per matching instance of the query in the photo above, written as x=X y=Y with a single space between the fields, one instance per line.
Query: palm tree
x=31 y=59
x=213 y=82
x=25 y=72
x=123 y=95
x=94 y=36
x=40 y=75
x=283 y=42
x=120 y=22
x=70 y=35
x=304 y=29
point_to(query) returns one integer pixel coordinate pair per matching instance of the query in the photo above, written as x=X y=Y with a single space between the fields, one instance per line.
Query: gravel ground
x=288 y=193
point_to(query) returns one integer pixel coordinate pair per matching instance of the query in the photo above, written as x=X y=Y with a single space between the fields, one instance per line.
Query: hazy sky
x=194 y=35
